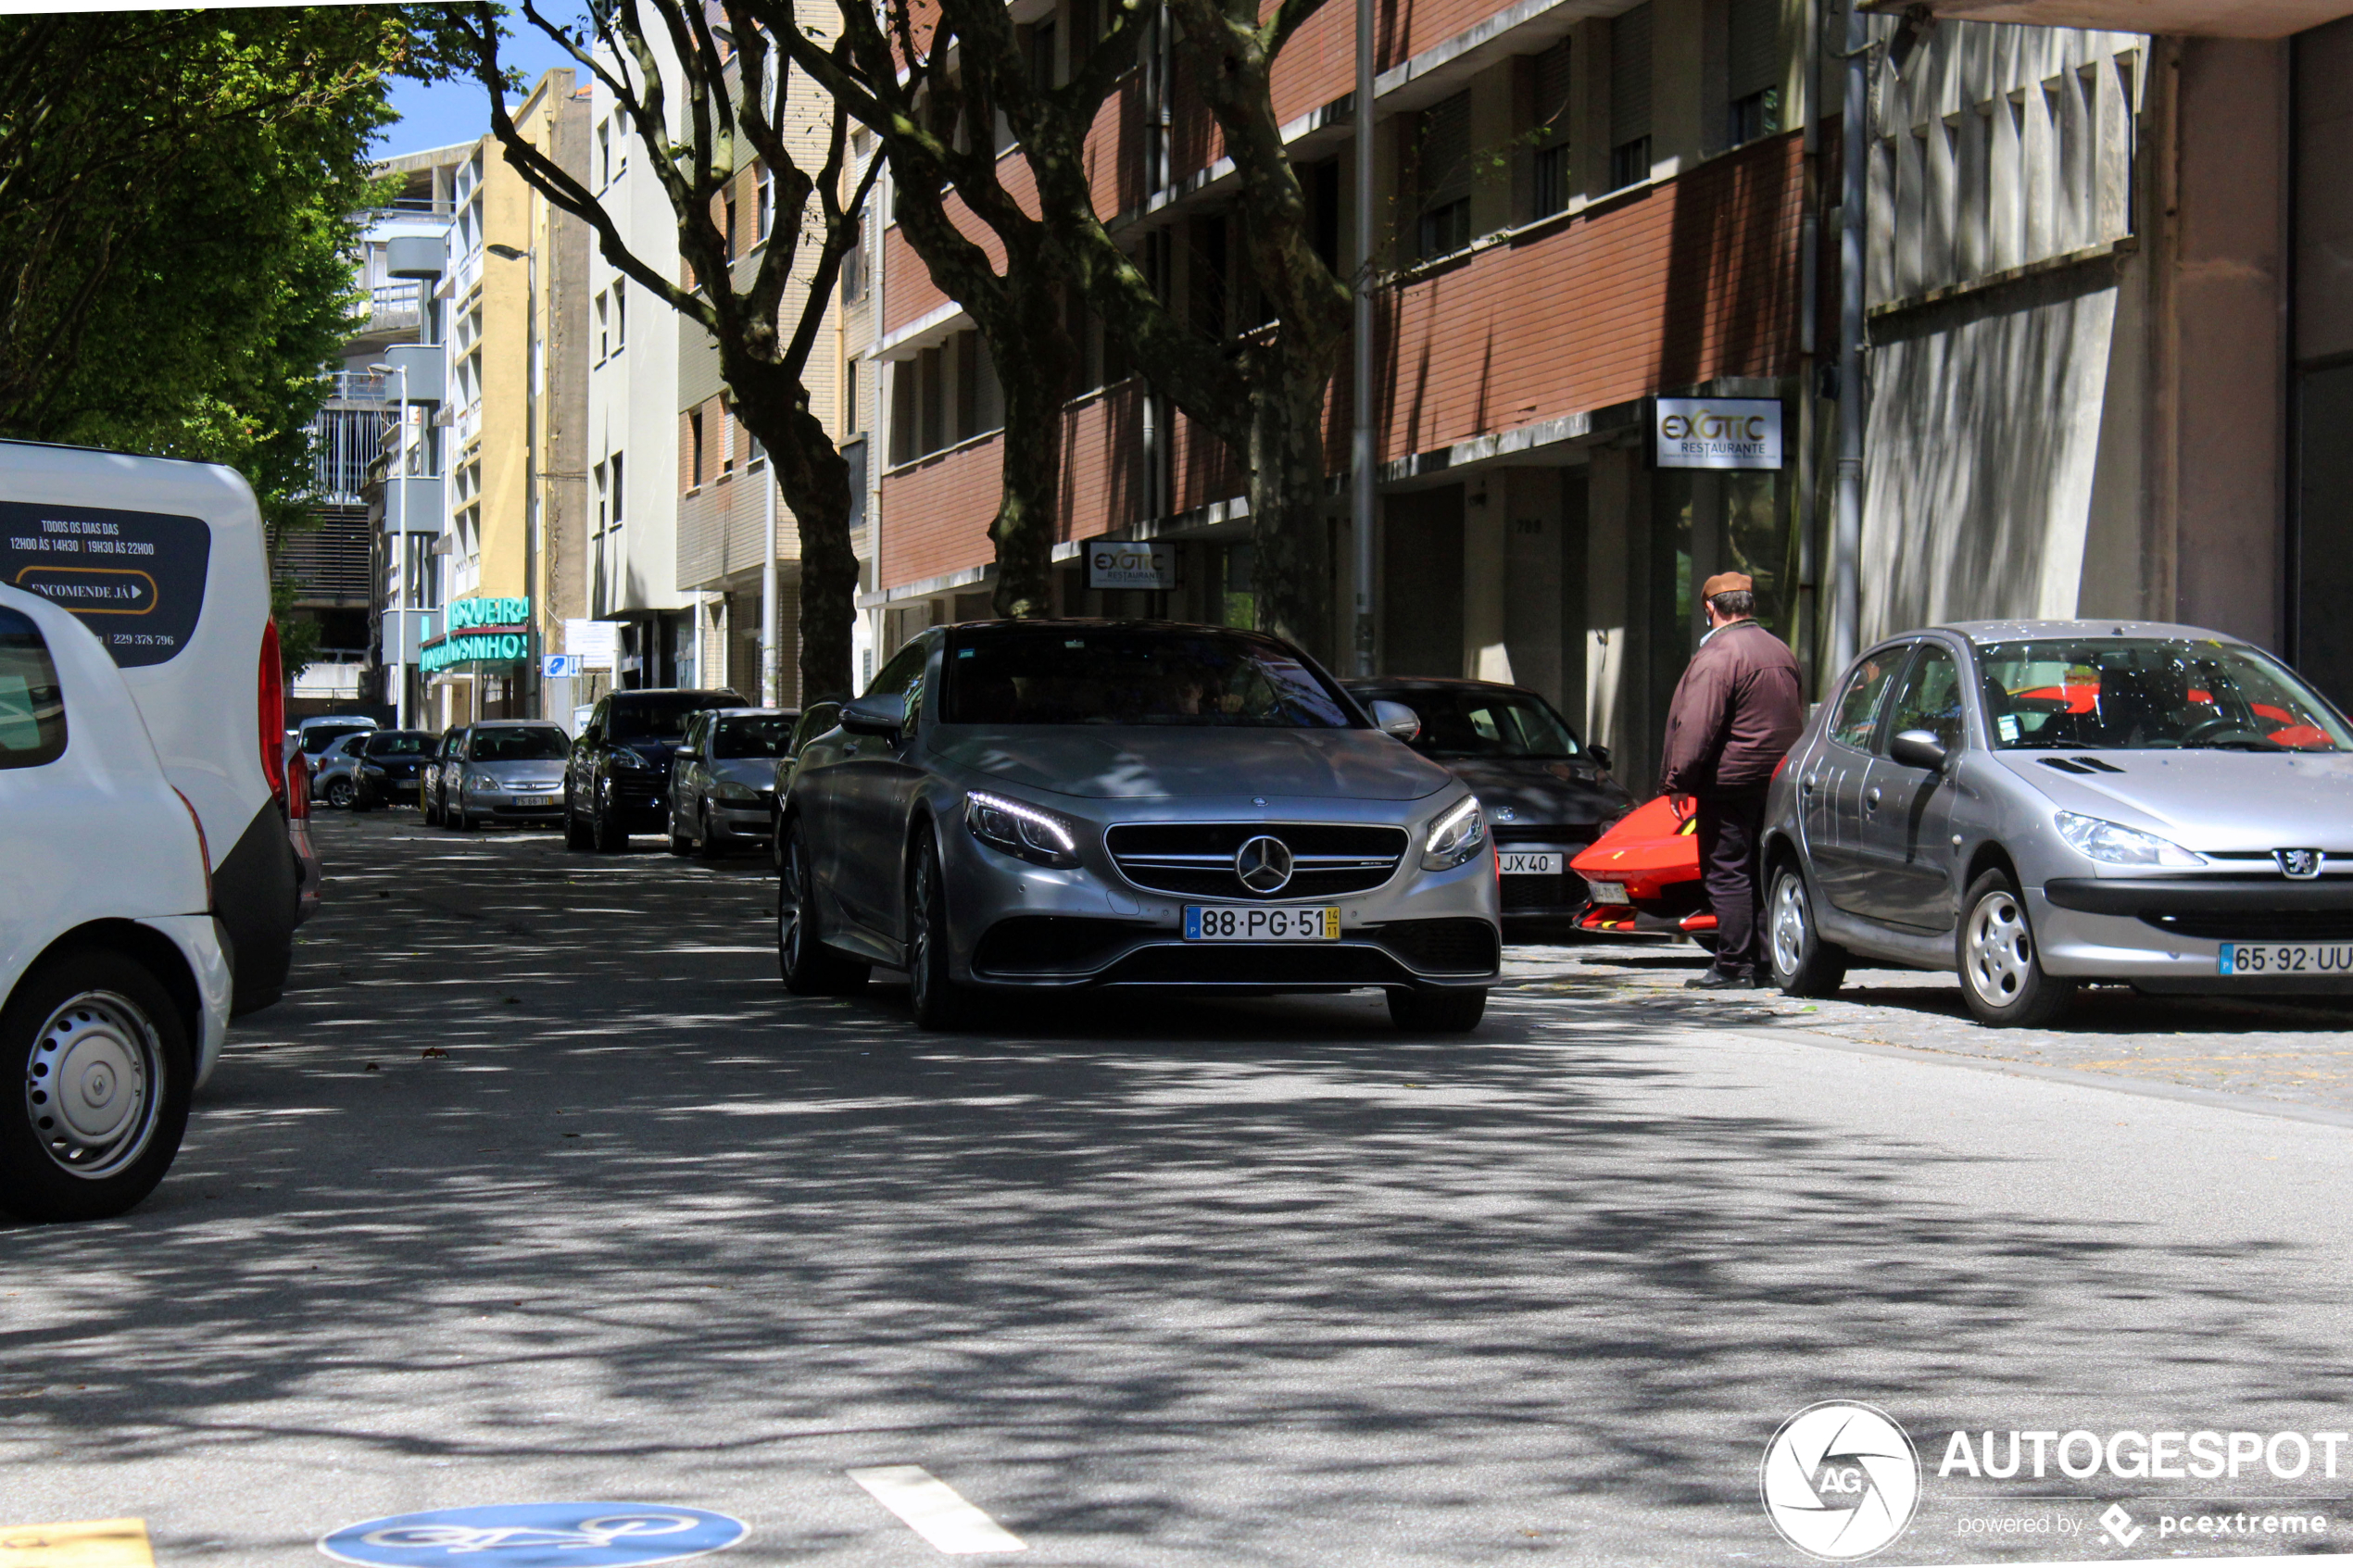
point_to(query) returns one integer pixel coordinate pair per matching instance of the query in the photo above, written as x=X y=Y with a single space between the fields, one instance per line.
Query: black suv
x=389 y=763
x=614 y=783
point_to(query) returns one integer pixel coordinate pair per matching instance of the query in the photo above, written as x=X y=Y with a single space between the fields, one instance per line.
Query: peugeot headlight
x=2115 y=845
x=1457 y=836
x=1042 y=837
x=625 y=757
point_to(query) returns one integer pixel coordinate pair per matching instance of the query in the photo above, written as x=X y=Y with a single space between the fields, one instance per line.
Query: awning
x=2210 y=18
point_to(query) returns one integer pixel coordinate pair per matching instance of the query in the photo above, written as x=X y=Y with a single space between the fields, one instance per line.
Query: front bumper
x=1014 y=925
x=508 y=804
x=739 y=819
x=2166 y=933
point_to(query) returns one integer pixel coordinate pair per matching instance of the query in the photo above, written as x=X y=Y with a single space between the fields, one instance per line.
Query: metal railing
x=396 y=305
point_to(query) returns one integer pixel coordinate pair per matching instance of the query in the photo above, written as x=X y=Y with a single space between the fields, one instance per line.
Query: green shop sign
x=473 y=648
x=466 y=614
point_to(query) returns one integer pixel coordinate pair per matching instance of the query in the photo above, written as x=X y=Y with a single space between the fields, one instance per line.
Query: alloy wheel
x=90 y=1086
x=926 y=890
x=1790 y=923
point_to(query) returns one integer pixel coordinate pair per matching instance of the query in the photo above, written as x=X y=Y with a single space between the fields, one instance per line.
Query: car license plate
x=1608 y=892
x=1210 y=922
x=534 y=800
x=2240 y=959
x=1529 y=863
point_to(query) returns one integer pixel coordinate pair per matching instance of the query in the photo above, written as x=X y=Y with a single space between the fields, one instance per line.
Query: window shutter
x=1755 y=64
x=1445 y=151
x=1629 y=76
x=1552 y=91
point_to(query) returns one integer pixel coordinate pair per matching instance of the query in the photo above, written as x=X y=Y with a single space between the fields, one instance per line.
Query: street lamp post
x=400 y=532
x=529 y=256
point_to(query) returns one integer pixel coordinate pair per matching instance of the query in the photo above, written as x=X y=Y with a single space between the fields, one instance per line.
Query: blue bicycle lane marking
x=541 y=1535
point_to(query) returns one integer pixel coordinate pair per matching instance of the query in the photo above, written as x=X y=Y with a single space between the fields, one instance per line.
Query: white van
x=165 y=562
x=114 y=977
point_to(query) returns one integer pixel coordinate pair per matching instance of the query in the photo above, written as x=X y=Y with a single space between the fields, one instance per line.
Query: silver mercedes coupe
x=2044 y=804
x=1064 y=803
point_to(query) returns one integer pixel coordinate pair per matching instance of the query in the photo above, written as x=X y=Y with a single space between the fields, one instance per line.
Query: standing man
x=1737 y=711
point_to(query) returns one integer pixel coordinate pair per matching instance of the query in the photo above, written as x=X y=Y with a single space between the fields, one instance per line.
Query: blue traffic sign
x=538 y=1535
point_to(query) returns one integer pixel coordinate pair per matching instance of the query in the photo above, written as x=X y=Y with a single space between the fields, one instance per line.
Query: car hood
x=1540 y=793
x=1122 y=762
x=754 y=772
x=2209 y=800
x=510 y=772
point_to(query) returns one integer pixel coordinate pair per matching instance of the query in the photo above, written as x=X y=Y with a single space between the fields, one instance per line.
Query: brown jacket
x=1737 y=711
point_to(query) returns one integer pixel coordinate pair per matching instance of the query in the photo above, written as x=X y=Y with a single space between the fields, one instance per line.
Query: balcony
x=468 y=276
x=413 y=503
x=469 y=423
x=395 y=307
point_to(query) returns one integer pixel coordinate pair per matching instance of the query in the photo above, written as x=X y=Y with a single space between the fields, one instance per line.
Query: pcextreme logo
x=1840 y=1480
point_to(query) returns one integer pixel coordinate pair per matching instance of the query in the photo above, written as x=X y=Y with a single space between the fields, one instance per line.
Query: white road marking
x=934 y=1509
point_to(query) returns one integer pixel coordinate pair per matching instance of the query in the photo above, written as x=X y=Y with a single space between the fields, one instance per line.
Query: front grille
x=1215 y=963
x=1442 y=946
x=2280 y=925
x=1540 y=891
x=1196 y=859
x=1052 y=944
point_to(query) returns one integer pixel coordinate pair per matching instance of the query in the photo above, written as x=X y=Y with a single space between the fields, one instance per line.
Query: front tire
x=2002 y=977
x=1803 y=964
x=808 y=967
x=1437 y=1012
x=576 y=833
x=938 y=1002
x=98 y=1071
x=604 y=834
x=707 y=844
x=679 y=843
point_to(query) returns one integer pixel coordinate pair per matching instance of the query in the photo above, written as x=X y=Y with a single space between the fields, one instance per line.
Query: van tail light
x=1780 y=765
x=297 y=793
x=273 y=705
x=204 y=845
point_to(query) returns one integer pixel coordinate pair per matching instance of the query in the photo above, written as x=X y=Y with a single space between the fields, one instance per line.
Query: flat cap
x=1727 y=583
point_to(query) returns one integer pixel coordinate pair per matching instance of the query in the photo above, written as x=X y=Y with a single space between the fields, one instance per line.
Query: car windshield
x=532 y=745
x=1465 y=723
x=317 y=738
x=663 y=716
x=399 y=743
x=2126 y=693
x=1197 y=678
x=743 y=738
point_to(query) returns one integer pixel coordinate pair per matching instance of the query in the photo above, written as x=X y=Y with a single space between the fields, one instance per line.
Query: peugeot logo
x=1263 y=864
x=2302 y=864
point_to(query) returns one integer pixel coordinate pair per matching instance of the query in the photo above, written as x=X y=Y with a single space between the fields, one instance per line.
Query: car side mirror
x=1919 y=749
x=881 y=715
x=1396 y=719
x=1600 y=754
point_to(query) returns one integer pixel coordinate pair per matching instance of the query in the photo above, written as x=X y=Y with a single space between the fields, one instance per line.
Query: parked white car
x=115 y=983
x=164 y=561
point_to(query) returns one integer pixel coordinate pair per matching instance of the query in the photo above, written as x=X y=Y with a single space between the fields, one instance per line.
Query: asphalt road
x=539 y=1187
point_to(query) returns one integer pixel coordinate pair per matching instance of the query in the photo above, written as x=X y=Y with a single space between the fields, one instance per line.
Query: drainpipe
x=1809 y=252
x=1360 y=496
x=769 y=682
x=1846 y=542
x=1156 y=182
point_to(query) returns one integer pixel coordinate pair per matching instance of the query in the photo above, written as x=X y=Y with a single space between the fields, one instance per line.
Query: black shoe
x=1723 y=980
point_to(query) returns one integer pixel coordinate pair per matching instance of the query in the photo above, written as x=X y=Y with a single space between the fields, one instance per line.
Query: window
x=32 y=708
x=1630 y=98
x=1041 y=57
x=620 y=314
x=1206 y=288
x=1859 y=709
x=763 y=202
x=604 y=329
x=694 y=450
x=1753 y=60
x=853 y=264
x=1188 y=678
x=728 y=226
x=943 y=396
x=727 y=439
x=619 y=492
x=1442 y=169
x=604 y=153
x=1928 y=699
x=1550 y=134
x=2147 y=693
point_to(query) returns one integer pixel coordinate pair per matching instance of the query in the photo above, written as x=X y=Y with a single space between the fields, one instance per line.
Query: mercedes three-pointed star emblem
x=1263 y=864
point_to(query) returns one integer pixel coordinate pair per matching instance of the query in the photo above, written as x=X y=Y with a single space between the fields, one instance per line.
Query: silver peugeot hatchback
x=2044 y=804
x=1074 y=803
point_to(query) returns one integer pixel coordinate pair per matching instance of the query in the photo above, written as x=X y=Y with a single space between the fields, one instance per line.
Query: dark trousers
x=1731 y=826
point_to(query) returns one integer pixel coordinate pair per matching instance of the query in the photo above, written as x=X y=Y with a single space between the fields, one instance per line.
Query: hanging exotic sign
x=1717 y=433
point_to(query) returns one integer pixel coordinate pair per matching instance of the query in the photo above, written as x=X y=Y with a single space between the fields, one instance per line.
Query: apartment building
x=515 y=304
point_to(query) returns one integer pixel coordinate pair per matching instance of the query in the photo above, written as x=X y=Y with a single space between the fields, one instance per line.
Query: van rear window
x=137 y=579
x=32 y=712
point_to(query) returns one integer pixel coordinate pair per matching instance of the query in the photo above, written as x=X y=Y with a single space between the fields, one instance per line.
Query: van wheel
x=575 y=830
x=1803 y=964
x=1437 y=1012
x=98 y=1070
x=808 y=966
x=2002 y=976
x=339 y=793
x=938 y=1002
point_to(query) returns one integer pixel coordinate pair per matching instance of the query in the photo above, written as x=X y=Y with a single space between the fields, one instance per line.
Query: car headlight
x=2115 y=845
x=1456 y=836
x=1042 y=837
x=625 y=757
x=741 y=794
x=484 y=781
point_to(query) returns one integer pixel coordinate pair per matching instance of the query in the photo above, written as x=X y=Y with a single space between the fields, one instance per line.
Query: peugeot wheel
x=939 y=1001
x=2002 y=977
x=102 y=1071
x=1449 y=1011
x=808 y=966
x=1803 y=964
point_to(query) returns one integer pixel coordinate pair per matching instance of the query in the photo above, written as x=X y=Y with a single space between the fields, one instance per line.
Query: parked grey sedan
x=723 y=779
x=2040 y=805
x=506 y=770
x=1075 y=803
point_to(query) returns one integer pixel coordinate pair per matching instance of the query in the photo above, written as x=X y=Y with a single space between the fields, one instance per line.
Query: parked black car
x=389 y=763
x=613 y=785
x=1547 y=795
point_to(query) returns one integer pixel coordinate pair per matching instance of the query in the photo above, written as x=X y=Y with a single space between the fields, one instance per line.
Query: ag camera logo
x=1840 y=1480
